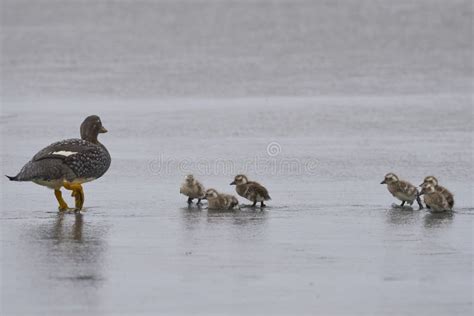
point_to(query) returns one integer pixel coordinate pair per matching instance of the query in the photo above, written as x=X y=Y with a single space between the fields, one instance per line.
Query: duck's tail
x=12 y=178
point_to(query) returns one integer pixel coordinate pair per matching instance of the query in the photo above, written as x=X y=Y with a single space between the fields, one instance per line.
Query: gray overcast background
x=350 y=89
x=58 y=48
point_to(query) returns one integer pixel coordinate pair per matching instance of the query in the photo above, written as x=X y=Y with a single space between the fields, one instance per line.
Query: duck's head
x=427 y=189
x=390 y=178
x=210 y=194
x=430 y=180
x=189 y=178
x=91 y=128
x=239 y=179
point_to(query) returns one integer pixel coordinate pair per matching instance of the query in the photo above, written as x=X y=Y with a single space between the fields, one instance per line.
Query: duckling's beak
x=421 y=184
x=232 y=183
x=103 y=130
x=383 y=182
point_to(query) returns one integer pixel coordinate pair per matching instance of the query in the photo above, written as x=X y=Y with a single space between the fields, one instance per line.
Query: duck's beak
x=383 y=182
x=103 y=130
x=421 y=184
x=232 y=183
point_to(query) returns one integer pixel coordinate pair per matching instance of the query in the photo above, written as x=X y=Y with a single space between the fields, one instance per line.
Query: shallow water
x=329 y=241
x=195 y=87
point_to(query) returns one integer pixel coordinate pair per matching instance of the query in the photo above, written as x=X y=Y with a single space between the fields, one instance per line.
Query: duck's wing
x=447 y=194
x=44 y=170
x=255 y=188
x=48 y=163
x=439 y=200
x=89 y=163
x=201 y=190
x=63 y=149
x=407 y=188
x=68 y=159
x=85 y=159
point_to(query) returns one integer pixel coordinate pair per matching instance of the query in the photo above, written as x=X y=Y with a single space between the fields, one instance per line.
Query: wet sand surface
x=317 y=100
x=329 y=241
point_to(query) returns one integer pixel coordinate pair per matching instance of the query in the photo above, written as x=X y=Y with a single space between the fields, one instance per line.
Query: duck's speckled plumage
x=69 y=163
x=251 y=190
x=402 y=190
x=435 y=199
x=82 y=161
x=220 y=201
x=445 y=192
x=192 y=188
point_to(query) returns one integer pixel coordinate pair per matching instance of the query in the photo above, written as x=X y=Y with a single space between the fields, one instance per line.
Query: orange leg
x=77 y=193
x=62 y=204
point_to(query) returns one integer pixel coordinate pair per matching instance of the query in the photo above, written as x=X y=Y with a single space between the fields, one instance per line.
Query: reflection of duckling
x=434 y=198
x=219 y=201
x=445 y=192
x=250 y=190
x=402 y=190
x=193 y=189
x=69 y=163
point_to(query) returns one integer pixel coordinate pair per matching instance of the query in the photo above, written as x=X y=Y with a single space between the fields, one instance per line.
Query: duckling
x=251 y=190
x=220 y=201
x=448 y=195
x=435 y=199
x=402 y=190
x=193 y=189
x=69 y=163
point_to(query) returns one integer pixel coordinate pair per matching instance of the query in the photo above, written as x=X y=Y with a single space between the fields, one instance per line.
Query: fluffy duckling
x=445 y=192
x=402 y=190
x=220 y=201
x=251 y=190
x=435 y=199
x=193 y=189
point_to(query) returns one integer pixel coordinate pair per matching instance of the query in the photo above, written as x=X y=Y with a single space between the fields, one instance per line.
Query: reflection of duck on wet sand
x=401 y=216
x=438 y=219
x=193 y=219
x=76 y=248
x=76 y=228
